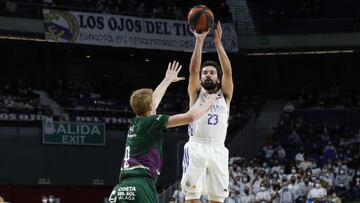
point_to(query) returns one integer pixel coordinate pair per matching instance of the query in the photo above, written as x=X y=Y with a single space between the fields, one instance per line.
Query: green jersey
x=143 y=150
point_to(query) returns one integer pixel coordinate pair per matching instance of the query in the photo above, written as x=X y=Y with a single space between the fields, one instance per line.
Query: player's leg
x=217 y=178
x=134 y=190
x=194 y=171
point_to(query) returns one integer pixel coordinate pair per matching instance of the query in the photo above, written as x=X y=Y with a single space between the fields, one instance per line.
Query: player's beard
x=209 y=85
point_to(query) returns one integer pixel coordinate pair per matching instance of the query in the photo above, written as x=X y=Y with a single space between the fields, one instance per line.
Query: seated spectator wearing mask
x=293 y=185
x=247 y=197
x=263 y=195
x=355 y=186
x=275 y=178
x=334 y=198
x=342 y=179
x=287 y=195
x=318 y=193
x=245 y=182
x=275 y=193
x=258 y=180
x=303 y=190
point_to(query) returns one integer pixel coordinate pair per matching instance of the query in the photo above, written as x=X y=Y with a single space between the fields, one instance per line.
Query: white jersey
x=211 y=127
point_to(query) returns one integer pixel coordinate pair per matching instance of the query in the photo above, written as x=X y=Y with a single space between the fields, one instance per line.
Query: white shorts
x=205 y=171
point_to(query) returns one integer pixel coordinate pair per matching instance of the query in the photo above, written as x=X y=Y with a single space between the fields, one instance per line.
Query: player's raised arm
x=194 y=68
x=170 y=76
x=227 y=85
x=193 y=114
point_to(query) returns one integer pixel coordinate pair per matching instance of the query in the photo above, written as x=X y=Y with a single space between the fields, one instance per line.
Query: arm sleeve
x=157 y=125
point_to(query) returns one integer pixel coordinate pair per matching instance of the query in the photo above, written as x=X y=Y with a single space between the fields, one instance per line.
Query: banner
x=126 y=31
x=73 y=133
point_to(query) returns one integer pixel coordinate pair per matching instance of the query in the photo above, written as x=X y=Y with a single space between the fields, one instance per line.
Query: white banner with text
x=126 y=31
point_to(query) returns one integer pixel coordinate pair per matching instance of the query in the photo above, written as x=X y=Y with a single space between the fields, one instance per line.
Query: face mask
x=306 y=183
x=293 y=171
x=293 y=181
x=309 y=174
x=281 y=171
x=245 y=180
x=246 y=191
x=317 y=185
x=275 y=176
x=358 y=173
x=342 y=172
x=44 y=200
x=262 y=188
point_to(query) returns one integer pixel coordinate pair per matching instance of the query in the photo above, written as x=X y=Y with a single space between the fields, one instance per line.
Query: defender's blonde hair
x=141 y=100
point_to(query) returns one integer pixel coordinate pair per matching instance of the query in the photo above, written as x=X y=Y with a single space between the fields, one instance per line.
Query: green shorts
x=134 y=190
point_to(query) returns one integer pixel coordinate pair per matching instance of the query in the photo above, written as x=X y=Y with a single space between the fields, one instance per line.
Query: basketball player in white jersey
x=205 y=162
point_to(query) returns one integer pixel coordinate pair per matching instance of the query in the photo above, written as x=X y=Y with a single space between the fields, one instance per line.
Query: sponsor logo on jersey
x=131 y=132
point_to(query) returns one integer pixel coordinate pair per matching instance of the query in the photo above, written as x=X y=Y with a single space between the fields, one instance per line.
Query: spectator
x=268 y=150
x=318 y=193
x=288 y=108
x=247 y=197
x=334 y=198
x=356 y=185
x=303 y=190
x=287 y=195
x=281 y=152
x=263 y=195
x=294 y=138
x=305 y=164
x=342 y=179
x=245 y=182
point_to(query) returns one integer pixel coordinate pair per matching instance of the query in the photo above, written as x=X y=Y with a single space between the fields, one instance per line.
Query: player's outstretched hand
x=218 y=33
x=173 y=71
x=200 y=36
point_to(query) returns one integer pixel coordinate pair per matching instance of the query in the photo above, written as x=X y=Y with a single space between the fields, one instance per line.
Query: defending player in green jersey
x=142 y=161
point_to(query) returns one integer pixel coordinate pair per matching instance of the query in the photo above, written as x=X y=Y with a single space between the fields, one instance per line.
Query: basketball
x=200 y=18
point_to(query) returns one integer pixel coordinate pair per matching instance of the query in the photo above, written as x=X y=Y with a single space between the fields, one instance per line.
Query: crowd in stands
x=172 y=9
x=106 y=102
x=328 y=98
x=19 y=98
x=305 y=159
x=104 y=99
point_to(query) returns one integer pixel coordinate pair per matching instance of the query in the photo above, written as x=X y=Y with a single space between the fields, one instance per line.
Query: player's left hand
x=218 y=33
x=173 y=71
